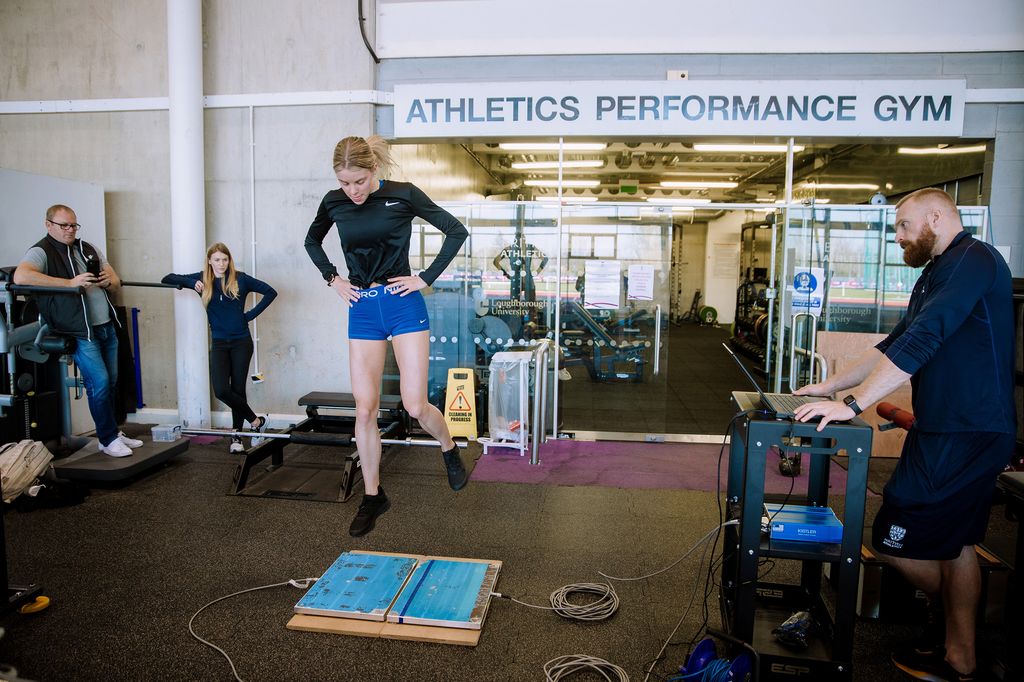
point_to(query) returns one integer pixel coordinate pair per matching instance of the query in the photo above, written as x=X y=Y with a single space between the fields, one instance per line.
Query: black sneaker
x=370 y=508
x=457 y=476
x=929 y=667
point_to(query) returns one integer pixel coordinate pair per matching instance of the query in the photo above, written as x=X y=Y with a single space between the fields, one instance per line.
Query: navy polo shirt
x=957 y=341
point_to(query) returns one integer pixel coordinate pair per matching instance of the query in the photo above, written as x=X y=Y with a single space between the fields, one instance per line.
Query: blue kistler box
x=803 y=524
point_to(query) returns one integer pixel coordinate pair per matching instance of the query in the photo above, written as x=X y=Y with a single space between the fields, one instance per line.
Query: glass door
x=838 y=268
x=613 y=321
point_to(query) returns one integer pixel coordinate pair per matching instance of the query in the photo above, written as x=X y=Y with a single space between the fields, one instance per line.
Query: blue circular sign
x=805 y=283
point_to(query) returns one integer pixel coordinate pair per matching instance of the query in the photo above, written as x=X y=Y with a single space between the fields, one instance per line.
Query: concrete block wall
x=116 y=49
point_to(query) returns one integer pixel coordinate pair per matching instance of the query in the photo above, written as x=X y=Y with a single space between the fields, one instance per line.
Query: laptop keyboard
x=785 y=402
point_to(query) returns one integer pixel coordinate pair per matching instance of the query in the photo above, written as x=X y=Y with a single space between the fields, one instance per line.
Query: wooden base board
x=366 y=628
x=374 y=629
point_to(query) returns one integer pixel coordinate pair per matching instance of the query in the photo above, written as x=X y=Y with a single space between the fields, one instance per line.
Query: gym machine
x=35 y=393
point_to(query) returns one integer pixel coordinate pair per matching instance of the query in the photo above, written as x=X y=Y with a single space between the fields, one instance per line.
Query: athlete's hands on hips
x=406 y=285
x=828 y=410
x=345 y=290
x=199 y=286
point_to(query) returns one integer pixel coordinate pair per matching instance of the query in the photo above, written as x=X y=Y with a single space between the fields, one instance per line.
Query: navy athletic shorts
x=381 y=314
x=938 y=498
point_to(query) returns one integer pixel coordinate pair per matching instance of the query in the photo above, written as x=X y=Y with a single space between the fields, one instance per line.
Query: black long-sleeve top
x=375 y=235
x=228 y=317
x=957 y=341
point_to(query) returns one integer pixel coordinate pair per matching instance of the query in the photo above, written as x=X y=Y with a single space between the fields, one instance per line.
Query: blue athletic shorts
x=380 y=314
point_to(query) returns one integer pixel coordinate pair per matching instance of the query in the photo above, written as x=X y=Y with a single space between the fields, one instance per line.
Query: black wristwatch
x=331 y=277
x=851 y=402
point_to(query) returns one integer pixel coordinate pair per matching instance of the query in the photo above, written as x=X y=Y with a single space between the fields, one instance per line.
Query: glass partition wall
x=865 y=285
x=599 y=292
x=594 y=281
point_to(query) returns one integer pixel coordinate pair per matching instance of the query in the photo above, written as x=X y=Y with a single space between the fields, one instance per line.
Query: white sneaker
x=236 y=446
x=129 y=441
x=116 y=449
x=256 y=440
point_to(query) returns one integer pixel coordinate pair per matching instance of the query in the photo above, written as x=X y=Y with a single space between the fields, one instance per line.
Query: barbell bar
x=312 y=437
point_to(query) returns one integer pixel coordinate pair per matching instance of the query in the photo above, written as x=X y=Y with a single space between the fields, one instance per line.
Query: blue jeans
x=97 y=361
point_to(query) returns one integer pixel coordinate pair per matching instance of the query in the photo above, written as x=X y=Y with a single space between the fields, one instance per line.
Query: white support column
x=188 y=203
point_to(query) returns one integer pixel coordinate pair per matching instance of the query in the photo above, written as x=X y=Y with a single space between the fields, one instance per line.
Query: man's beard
x=918 y=252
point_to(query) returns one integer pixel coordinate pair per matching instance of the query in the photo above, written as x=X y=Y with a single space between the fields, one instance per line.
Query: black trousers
x=229 y=370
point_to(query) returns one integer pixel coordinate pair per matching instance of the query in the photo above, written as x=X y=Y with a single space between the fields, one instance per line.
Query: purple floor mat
x=682 y=466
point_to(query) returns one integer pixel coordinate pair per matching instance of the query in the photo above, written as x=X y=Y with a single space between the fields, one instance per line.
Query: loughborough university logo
x=896 y=535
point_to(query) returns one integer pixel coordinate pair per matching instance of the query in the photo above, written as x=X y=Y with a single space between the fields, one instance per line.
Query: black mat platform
x=313 y=474
x=90 y=465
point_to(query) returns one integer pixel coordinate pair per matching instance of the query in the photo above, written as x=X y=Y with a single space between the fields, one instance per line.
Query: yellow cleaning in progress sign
x=460 y=403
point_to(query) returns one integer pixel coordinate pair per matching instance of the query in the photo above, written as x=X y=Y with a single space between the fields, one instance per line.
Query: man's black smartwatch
x=851 y=402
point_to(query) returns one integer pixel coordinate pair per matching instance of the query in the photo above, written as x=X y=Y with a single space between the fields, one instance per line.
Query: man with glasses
x=61 y=259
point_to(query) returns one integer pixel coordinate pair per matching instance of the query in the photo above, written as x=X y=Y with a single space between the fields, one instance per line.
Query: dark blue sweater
x=957 y=341
x=228 y=317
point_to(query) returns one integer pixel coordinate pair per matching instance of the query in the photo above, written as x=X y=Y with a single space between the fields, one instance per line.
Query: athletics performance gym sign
x=672 y=108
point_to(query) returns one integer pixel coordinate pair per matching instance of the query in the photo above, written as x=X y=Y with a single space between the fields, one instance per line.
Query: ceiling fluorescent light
x=552 y=146
x=942 y=150
x=553 y=165
x=752 y=148
x=567 y=200
x=697 y=184
x=678 y=202
x=840 y=185
x=565 y=183
x=699 y=174
x=802 y=201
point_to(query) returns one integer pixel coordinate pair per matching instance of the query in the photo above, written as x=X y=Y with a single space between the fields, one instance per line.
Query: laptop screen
x=746 y=373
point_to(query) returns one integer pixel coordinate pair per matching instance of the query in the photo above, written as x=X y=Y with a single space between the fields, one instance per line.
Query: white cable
x=734 y=522
x=301 y=583
x=565 y=666
x=605 y=606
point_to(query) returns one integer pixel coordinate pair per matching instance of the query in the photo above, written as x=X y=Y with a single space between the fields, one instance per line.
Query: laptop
x=782 y=404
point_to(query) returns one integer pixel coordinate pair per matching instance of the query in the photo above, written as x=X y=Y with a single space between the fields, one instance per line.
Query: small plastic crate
x=166 y=433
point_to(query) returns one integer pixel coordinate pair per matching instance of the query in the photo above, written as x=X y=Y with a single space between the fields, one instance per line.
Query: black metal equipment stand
x=1012 y=486
x=751 y=608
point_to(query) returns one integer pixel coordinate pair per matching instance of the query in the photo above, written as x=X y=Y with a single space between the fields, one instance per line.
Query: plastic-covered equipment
x=509 y=396
x=793 y=632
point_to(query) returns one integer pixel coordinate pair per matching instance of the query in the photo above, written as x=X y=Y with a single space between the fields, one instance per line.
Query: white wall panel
x=448 y=28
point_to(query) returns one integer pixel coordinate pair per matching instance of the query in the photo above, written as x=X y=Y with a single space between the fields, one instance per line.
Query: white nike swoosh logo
x=422 y=321
x=390 y=203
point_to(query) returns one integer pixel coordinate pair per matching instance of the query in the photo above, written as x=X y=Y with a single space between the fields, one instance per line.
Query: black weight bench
x=314 y=480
